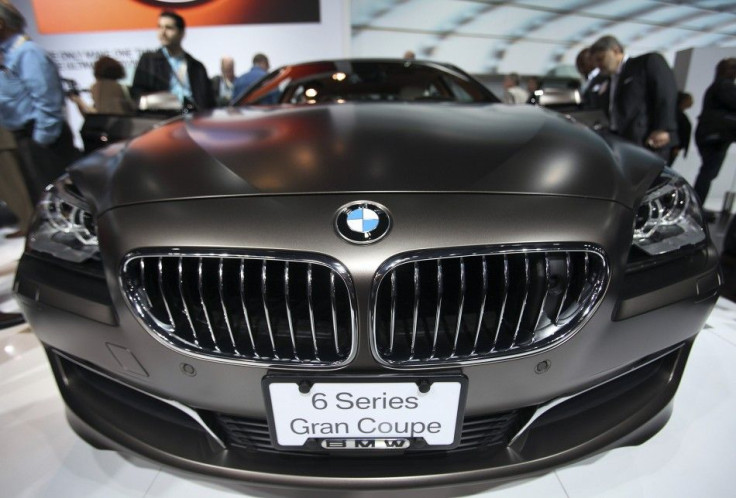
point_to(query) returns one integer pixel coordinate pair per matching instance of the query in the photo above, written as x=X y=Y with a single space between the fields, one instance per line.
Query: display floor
x=694 y=455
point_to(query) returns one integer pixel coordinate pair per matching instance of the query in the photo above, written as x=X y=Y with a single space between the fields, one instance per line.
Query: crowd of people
x=641 y=100
x=638 y=94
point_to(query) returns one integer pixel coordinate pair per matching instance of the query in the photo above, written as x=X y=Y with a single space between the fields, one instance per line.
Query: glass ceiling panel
x=380 y=44
x=363 y=11
x=714 y=4
x=699 y=40
x=473 y=55
x=554 y=5
x=568 y=28
x=665 y=15
x=427 y=14
x=624 y=31
x=620 y=8
x=527 y=58
x=705 y=22
x=505 y=21
x=664 y=37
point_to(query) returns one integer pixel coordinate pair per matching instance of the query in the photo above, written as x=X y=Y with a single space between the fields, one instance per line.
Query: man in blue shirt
x=32 y=104
x=258 y=71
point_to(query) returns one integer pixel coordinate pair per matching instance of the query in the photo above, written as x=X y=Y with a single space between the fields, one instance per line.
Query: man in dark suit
x=642 y=96
x=171 y=69
x=594 y=83
x=716 y=125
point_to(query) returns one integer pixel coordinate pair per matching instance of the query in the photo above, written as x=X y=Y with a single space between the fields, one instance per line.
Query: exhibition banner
x=77 y=16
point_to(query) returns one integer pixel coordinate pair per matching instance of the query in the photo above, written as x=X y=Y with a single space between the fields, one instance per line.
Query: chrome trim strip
x=194 y=349
x=544 y=408
x=190 y=412
x=586 y=311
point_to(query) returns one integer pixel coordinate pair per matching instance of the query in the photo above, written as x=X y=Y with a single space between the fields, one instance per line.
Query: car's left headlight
x=64 y=226
x=669 y=217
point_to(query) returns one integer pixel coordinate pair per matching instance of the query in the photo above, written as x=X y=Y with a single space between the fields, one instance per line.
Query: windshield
x=341 y=81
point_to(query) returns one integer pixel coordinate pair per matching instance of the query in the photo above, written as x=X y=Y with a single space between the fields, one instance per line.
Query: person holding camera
x=32 y=105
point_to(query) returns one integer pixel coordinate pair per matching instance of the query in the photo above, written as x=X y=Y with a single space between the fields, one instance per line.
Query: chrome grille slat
x=505 y=294
x=586 y=270
x=221 y=287
x=439 y=308
x=200 y=283
x=246 y=315
x=184 y=304
x=567 y=288
x=311 y=311
x=546 y=292
x=256 y=308
x=460 y=306
x=333 y=310
x=267 y=316
x=482 y=310
x=393 y=312
x=415 y=317
x=523 y=302
x=288 y=311
x=485 y=304
x=160 y=280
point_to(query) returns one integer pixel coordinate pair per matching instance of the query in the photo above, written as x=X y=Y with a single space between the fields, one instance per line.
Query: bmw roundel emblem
x=362 y=222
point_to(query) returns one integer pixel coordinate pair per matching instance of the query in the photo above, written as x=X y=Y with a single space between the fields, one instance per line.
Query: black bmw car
x=368 y=274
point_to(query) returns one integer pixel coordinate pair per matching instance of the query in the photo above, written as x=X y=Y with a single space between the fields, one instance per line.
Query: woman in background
x=108 y=96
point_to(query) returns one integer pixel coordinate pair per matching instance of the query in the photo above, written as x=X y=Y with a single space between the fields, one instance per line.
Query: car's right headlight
x=64 y=226
x=669 y=217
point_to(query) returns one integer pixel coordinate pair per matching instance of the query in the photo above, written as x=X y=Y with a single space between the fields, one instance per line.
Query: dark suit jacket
x=153 y=74
x=717 y=121
x=646 y=99
x=595 y=96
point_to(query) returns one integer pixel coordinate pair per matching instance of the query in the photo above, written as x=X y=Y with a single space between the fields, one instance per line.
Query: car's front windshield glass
x=366 y=81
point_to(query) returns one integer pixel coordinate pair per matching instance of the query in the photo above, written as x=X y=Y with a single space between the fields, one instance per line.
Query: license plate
x=366 y=414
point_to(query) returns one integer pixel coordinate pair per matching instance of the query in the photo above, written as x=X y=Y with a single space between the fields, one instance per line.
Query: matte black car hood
x=366 y=147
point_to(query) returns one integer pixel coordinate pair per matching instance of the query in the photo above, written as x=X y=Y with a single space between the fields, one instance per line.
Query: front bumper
x=624 y=411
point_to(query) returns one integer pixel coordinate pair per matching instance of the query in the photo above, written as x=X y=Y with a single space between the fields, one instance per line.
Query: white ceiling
x=534 y=36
